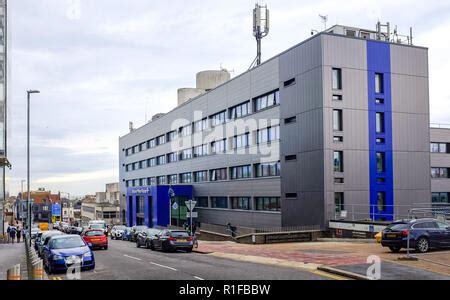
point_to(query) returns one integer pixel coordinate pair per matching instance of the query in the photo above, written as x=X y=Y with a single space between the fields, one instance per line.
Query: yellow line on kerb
x=332 y=276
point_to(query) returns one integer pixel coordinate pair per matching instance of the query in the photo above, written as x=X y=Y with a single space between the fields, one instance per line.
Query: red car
x=96 y=238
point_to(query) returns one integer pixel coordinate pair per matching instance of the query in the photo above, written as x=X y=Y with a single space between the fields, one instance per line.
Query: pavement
x=11 y=255
x=342 y=255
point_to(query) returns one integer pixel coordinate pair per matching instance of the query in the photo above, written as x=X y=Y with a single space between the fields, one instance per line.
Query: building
x=102 y=206
x=440 y=165
x=316 y=131
x=43 y=205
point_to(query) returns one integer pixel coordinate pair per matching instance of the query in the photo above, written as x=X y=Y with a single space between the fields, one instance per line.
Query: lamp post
x=28 y=160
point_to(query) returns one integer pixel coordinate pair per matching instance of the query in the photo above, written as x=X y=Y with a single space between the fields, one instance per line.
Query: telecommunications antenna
x=261 y=25
x=324 y=20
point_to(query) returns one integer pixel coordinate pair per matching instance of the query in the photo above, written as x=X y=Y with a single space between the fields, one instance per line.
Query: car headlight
x=57 y=257
x=87 y=254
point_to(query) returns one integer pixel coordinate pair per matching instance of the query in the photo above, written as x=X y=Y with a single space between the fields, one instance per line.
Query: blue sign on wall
x=56 y=209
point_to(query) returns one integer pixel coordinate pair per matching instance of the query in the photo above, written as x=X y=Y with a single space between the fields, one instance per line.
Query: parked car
x=135 y=231
x=145 y=237
x=34 y=232
x=45 y=238
x=424 y=234
x=37 y=240
x=96 y=237
x=64 y=251
x=117 y=232
x=172 y=240
x=126 y=236
x=74 y=230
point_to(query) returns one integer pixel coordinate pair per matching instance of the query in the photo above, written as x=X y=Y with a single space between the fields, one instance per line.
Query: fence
x=35 y=265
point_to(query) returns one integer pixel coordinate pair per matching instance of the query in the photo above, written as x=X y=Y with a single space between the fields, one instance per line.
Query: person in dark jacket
x=12 y=234
x=18 y=234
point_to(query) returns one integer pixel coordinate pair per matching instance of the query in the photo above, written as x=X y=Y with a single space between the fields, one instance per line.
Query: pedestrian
x=19 y=233
x=7 y=233
x=12 y=234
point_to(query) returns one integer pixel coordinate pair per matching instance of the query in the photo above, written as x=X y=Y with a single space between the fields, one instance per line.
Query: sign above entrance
x=140 y=191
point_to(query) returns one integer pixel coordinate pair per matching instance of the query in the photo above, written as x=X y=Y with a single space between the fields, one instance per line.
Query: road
x=124 y=261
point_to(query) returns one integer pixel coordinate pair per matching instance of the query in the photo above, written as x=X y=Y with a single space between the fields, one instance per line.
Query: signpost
x=191 y=214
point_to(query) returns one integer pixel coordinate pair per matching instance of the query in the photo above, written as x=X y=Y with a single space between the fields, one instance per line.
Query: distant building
x=42 y=202
x=102 y=206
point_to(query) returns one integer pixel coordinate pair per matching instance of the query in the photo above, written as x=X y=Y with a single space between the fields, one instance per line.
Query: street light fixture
x=28 y=159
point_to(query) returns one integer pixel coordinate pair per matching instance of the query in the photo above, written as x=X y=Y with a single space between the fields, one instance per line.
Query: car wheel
x=395 y=249
x=152 y=246
x=147 y=245
x=422 y=245
x=137 y=245
x=189 y=250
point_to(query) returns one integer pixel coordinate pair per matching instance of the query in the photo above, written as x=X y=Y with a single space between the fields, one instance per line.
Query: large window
x=440 y=148
x=218 y=174
x=171 y=136
x=201 y=125
x=381 y=162
x=241 y=141
x=440 y=172
x=219 y=202
x=151 y=144
x=268 y=203
x=381 y=201
x=140 y=204
x=267 y=135
x=186 y=130
x=151 y=162
x=161 y=160
x=200 y=151
x=218 y=119
x=337 y=79
x=219 y=146
x=186 y=178
x=186 y=154
x=241 y=172
x=201 y=176
x=173 y=179
x=339 y=202
x=379 y=122
x=267 y=101
x=440 y=198
x=240 y=203
x=267 y=169
x=202 y=201
x=239 y=111
x=161 y=180
x=151 y=181
x=337 y=120
x=379 y=83
x=161 y=139
x=172 y=157
x=338 y=161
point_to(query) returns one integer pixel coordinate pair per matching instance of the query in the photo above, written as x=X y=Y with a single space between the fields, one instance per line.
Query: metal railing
x=35 y=265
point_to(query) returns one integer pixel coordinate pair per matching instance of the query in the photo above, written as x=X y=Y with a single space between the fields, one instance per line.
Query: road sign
x=175 y=206
x=190 y=204
x=56 y=209
x=193 y=214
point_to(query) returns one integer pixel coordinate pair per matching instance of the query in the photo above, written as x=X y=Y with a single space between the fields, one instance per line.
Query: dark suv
x=423 y=235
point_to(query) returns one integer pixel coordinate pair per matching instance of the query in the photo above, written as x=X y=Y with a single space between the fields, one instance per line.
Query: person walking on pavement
x=7 y=233
x=12 y=234
x=19 y=233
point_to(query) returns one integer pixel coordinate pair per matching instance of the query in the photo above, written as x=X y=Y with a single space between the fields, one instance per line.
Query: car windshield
x=94 y=233
x=398 y=226
x=97 y=226
x=68 y=242
x=178 y=234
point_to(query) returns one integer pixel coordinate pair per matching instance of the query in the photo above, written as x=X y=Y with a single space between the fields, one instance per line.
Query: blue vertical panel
x=147 y=210
x=379 y=61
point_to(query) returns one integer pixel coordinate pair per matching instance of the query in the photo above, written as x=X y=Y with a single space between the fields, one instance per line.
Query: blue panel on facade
x=156 y=208
x=381 y=183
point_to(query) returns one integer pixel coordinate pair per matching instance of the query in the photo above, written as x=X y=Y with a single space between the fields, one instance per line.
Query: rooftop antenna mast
x=261 y=25
x=324 y=21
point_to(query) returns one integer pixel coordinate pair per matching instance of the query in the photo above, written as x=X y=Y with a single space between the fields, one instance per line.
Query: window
x=289 y=82
x=379 y=83
x=339 y=180
x=173 y=179
x=218 y=119
x=140 y=205
x=291 y=157
x=161 y=180
x=268 y=135
x=380 y=140
x=218 y=174
x=241 y=141
x=379 y=101
x=201 y=125
x=200 y=151
x=219 y=146
x=268 y=203
x=151 y=162
x=202 y=201
x=267 y=101
x=338 y=139
x=172 y=157
x=135 y=166
x=337 y=79
x=161 y=140
x=381 y=162
x=290 y=120
x=200 y=176
x=339 y=202
x=239 y=111
x=161 y=160
x=242 y=203
x=440 y=172
x=337 y=97
x=151 y=144
x=142 y=182
x=142 y=147
x=267 y=169
x=291 y=195
x=151 y=181
x=219 y=202
x=186 y=130
x=186 y=154
x=186 y=178
x=135 y=149
x=128 y=167
x=338 y=161
x=337 y=120
x=241 y=172
x=128 y=152
x=440 y=148
x=440 y=197
x=380 y=122
x=171 y=136
x=381 y=201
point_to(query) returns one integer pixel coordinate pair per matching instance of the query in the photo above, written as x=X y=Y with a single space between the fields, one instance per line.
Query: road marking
x=332 y=276
x=162 y=266
x=199 y=278
x=135 y=258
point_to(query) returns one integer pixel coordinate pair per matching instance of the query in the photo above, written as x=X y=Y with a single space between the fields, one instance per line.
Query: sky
x=102 y=63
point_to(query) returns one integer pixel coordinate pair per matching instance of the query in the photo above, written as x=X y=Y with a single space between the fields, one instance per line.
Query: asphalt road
x=124 y=261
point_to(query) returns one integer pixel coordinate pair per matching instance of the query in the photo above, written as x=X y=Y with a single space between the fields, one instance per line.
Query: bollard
x=37 y=270
x=13 y=273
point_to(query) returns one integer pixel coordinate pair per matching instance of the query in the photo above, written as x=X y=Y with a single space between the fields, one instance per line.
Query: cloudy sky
x=102 y=63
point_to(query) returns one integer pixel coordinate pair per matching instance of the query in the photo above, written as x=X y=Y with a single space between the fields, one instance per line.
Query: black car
x=423 y=235
x=172 y=240
x=135 y=231
x=145 y=237
x=74 y=230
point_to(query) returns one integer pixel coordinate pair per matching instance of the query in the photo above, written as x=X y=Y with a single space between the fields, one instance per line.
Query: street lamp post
x=28 y=160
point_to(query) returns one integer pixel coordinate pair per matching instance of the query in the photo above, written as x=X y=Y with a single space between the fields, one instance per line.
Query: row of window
x=440 y=172
x=338 y=122
x=339 y=201
x=234 y=173
x=266 y=135
x=337 y=81
x=440 y=147
x=241 y=203
x=266 y=101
